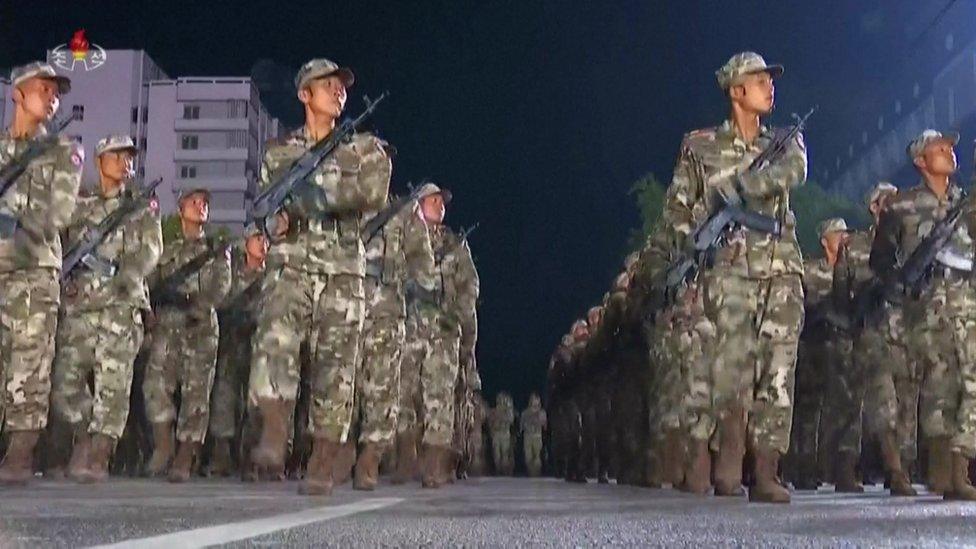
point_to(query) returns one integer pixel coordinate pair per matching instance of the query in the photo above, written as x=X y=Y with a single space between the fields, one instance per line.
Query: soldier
x=41 y=202
x=476 y=438
x=399 y=264
x=101 y=328
x=753 y=293
x=236 y=318
x=316 y=294
x=500 y=422
x=893 y=380
x=532 y=423
x=183 y=356
x=941 y=316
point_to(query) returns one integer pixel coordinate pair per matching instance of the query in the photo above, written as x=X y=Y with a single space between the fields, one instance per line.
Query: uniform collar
x=726 y=132
x=953 y=193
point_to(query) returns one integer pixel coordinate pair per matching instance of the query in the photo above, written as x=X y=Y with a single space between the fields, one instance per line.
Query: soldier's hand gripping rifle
x=376 y=224
x=271 y=200
x=461 y=239
x=166 y=291
x=83 y=253
x=706 y=239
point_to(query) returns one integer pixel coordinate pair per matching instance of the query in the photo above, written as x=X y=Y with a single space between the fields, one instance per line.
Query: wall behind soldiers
x=4 y=87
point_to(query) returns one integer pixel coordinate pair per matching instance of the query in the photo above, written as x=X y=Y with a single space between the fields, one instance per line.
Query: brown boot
x=675 y=454
x=845 y=474
x=406 y=462
x=183 y=462
x=318 y=476
x=430 y=468
x=162 y=448
x=732 y=448
x=368 y=467
x=15 y=469
x=448 y=466
x=270 y=451
x=898 y=480
x=78 y=466
x=961 y=489
x=940 y=465
x=767 y=488
x=344 y=462
x=220 y=460
x=98 y=456
x=698 y=476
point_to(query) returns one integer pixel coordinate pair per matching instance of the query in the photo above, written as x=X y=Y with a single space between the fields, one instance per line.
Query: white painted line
x=237 y=531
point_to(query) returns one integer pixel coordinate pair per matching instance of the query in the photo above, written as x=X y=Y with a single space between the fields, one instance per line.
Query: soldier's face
x=115 y=165
x=755 y=93
x=195 y=208
x=325 y=96
x=39 y=98
x=938 y=158
x=433 y=209
x=832 y=242
x=257 y=246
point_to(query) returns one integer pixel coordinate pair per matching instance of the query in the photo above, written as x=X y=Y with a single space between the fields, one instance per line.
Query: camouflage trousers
x=811 y=373
x=182 y=356
x=844 y=398
x=328 y=311
x=28 y=321
x=428 y=375
x=891 y=401
x=532 y=452
x=694 y=335
x=501 y=450
x=945 y=348
x=230 y=383
x=753 y=358
x=378 y=379
x=100 y=344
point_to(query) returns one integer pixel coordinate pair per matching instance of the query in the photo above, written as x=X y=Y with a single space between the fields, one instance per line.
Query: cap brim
x=64 y=83
x=117 y=148
x=775 y=71
x=951 y=136
x=345 y=75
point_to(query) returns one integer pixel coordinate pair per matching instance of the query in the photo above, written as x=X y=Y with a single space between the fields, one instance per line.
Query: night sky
x=538 y=115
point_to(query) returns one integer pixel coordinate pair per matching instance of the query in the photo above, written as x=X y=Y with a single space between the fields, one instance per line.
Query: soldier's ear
x=919 y=162
x=304 y=95
x=18 y=95
x=823 y=242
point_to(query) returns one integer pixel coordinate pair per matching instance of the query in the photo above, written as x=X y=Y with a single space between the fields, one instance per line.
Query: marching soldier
x=753 y=293
x=183 y=355
x=500 y=425
x=101 y=329
x=317 y=293
x=532 y=423
x=33 y=211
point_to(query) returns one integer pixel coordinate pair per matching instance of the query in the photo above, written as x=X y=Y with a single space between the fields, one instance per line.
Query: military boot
x=344 y=462
x=732 y=448
x=430 y=468
x=806 y=472
x=183 y=462
x=961 y=488
x=98 y=457
x=368 y=467
x=57 y=448
x=845 y=474
x=78 y=465
x=162 y=448
x=318 y=475
x=406 y=462
x=675 y=454
x=698 y=476
x=16 y=467
x=767 y=488
x=270 y=451
x=898 y=480
x=940 y=465
x=221 y=462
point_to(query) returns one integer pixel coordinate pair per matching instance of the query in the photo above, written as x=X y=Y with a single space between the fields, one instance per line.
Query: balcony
x=228 y=216
x=211 y=124
x=215 y=184
x=200 y=155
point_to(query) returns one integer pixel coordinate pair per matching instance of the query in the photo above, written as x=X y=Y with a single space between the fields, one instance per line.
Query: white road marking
x=237 y=531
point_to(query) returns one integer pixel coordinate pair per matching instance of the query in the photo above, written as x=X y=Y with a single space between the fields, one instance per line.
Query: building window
x=190 y=142
x=145 y=115
x=142 y=143
x=78 y=112
x=237 y=108
x=135 y=115
x=237 y=140
x=188 y=172
x=191 y=112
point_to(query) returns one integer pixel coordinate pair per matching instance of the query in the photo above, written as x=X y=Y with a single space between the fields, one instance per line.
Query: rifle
x=271 y=200
x=375 y=225
x=462 y=238
x=913 y=273
x=827 y=316
x=165 y=292
x=707 y=237
x=83 y=253
x=244 y=296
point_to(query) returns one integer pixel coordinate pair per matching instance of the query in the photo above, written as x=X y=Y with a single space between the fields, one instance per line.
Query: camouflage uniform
x=500 y=422
x=183 y=355
x=101 y=328
x=315 y=290
x=532 y=423
x=43 y=201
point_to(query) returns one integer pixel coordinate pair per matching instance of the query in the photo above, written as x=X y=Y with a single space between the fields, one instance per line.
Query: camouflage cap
x=881 y=189
x=39 y=69
x=744 y=63
x=190 y=191
x=917 y=146
x=832 y=225
x=320 y=68
x=428 y=189
x=567 y=340
x=114 y=143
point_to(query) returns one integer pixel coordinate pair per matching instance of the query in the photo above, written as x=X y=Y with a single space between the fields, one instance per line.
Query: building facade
x=4 y=100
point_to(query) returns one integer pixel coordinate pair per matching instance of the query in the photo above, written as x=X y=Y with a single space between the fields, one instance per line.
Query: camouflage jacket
x=43 y=200
x=500 y=419
x=355 y=178
x=135 y=247
x=457 y=282
x=907 y=221
x=708 y=164
x=852 y=272
x=208 y=286
x=532 y=421
x=398 y=253
x=240 y=304
x=818 y=283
